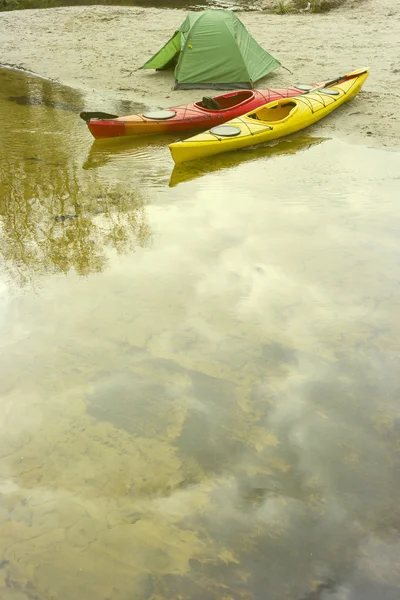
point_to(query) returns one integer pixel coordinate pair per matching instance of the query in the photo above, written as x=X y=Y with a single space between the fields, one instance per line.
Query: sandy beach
x=98 y=49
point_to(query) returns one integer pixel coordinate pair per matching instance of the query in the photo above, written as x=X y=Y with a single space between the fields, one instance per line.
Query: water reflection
x=53 y=218
x=147 y=149
x=49 y=227
x=143 y=152
x=216 y=415
x=187 y=172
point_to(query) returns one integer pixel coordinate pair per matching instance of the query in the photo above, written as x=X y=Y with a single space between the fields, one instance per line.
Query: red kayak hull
x=189 y=117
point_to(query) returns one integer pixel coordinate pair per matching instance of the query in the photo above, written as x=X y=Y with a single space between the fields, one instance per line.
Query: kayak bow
x=273 y=120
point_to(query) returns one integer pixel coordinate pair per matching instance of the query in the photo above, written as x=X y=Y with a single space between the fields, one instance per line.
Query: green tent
x=213 y=49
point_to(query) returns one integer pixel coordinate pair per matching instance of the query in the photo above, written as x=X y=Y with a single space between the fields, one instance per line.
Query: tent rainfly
x=213 y=49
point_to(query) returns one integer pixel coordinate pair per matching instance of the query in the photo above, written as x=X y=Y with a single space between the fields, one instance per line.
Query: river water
x=199 y=368
x=242 y=5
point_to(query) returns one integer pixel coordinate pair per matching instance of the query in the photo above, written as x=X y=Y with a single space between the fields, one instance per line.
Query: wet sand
x=98 y=49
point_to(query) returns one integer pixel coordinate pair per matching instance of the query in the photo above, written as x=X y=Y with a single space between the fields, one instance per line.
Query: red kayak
x=188 y=117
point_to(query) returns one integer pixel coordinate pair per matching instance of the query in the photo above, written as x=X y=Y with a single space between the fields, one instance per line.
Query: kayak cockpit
x=277 y=112
x=226 y=101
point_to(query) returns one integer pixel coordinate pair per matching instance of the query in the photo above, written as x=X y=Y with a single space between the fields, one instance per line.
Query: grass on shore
x=313 y=6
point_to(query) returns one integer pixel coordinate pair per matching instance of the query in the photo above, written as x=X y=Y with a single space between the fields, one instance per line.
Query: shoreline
x=97 y=49
x=270 y=6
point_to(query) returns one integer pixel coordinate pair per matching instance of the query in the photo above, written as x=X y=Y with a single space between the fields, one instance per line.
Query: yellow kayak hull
x=271 y=121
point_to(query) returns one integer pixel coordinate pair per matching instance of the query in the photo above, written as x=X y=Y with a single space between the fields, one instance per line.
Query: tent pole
x=287 y=69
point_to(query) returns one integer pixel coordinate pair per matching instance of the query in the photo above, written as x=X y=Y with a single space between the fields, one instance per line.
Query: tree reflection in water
x=54 y=222
x=54 y=216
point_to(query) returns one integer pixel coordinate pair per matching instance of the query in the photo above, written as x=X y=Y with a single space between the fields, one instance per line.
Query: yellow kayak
x=271 y=121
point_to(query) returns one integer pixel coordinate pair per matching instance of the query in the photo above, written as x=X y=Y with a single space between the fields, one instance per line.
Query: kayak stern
x=106 y=128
